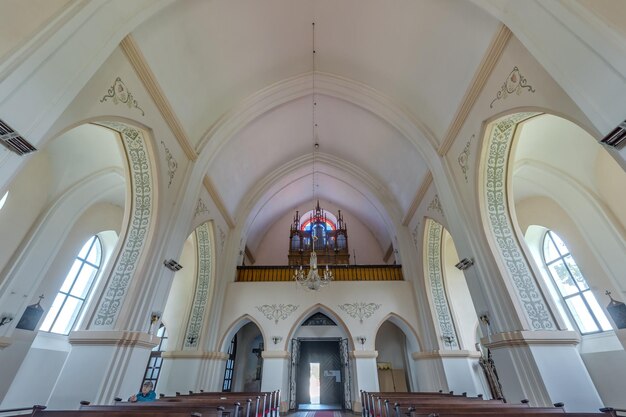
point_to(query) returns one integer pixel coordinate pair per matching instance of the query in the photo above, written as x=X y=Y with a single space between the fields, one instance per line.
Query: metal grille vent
x=617 y=137
x=13 y=141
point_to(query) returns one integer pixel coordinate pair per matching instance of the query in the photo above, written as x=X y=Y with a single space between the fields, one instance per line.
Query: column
x=184 y=371
x=366 y=375
x=276 y=374
x=102 y=365
x=543 y=367
x=449 y=370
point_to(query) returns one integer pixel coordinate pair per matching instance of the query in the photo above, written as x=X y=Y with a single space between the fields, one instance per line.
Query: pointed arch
x=141 y=215
x=204 y=283
x=319 y=308
x=415 y=342
x=235 y=326
x=494 y=175
x=433 y=272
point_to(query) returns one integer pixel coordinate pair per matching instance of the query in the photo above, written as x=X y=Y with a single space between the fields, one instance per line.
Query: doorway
x=319 y=384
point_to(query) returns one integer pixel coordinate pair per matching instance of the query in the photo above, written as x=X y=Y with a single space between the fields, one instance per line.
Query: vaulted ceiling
x=211 y=58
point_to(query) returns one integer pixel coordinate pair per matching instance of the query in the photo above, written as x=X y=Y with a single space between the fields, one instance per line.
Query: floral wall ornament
x=201 y=207
x=222 y=238
x=201 y=295
x=415 y=233
x=501 y=227
x=172 y=165
x=119 y=93
x=434 y=233
x=277 y=311
x=515 y=83
x=463 y=158
x=360 y=309
x=435 y=204
x=138 y=226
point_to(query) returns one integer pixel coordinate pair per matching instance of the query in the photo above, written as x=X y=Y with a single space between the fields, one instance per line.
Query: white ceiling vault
x=212 y=57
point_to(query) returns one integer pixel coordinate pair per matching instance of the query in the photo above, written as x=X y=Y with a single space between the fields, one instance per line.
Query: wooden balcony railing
x=340 y=273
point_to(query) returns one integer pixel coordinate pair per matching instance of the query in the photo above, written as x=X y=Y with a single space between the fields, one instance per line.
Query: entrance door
x=319 y=380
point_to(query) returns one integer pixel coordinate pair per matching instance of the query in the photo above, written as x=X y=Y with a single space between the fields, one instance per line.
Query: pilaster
x=185 y=370
x=543 y=367
x=455 y=370
x=102 y=365
x=276 y=374
x=366 y=374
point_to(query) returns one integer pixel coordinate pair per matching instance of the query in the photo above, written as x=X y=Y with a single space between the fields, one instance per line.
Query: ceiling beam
x=494 y=51
x=145 y=74
x=215 y=196
x=418 y=199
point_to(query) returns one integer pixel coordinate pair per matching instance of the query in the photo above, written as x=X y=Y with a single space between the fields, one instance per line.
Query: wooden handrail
x=340 y=273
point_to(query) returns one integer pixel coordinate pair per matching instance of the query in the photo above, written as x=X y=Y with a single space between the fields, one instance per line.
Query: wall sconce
x=484 y=319
x=361 y=339
x=172 y=265
x=277 y=339
x=464 y=263
x=5 y=319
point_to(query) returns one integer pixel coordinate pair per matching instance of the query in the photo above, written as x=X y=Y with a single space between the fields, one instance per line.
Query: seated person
x=146 y=393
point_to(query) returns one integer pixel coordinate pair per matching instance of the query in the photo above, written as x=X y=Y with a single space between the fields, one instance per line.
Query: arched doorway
x=319 y=373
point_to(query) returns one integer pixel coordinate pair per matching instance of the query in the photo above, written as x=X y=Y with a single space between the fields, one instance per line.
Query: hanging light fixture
x=312 y=280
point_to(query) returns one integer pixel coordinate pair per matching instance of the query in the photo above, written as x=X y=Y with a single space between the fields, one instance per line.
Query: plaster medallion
x=172 y=165
x=277 y=311
x=463 y=158
x=360 y=309
x=201 y=208
x=435 y=204
x=514 y=83
x=119 y=93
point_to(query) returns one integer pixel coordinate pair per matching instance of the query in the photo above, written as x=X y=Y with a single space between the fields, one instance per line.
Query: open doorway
x=319 y=376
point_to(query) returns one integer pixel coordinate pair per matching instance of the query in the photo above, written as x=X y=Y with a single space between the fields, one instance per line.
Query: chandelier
x=311 y=280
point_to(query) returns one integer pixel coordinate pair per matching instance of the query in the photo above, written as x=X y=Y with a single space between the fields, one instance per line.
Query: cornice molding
x=364 y=354
x=275 y=354
x=418 y=198
x=488 y=63
x=442 y=354
x=147 y=77
x=113 y=338
x=528 y=338
x=217 y=199
x=189 y=354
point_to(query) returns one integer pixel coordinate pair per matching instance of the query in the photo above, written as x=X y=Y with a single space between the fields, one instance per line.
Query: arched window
x=78 y=282
x=573 y=286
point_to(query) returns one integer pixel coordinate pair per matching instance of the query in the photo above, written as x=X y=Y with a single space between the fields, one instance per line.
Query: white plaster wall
x=462 y=376
x=459 y=297
x=274 y=247
x=39 y=371
x=320 y=332
x=28 y=195
x=607 y=370
x=177 y=309
x=242 y=299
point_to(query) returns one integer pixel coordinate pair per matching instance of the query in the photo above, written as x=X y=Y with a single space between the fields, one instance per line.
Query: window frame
x=229 y=370
x=155 y=361
x=580 y=293
x=95 y=239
